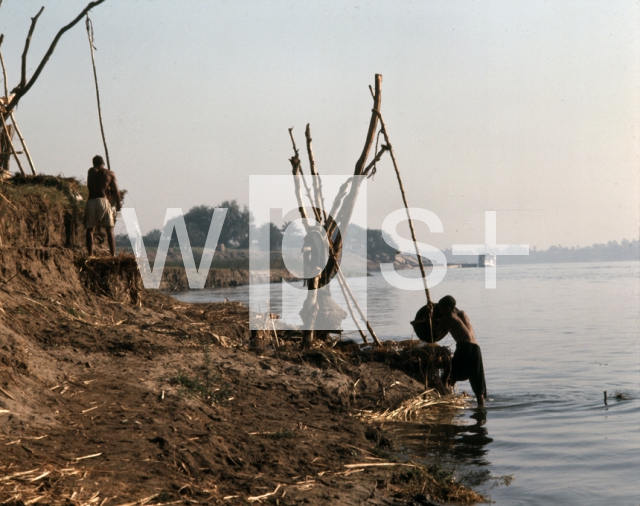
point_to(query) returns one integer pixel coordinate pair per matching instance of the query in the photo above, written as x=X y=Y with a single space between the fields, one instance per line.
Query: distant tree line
x=609 y=252
x=238 y=222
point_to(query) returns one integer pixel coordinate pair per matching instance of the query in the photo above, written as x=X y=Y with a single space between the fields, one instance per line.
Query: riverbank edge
x=145 y=396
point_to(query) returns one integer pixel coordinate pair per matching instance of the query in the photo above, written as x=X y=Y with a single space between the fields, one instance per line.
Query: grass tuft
x=205 y=383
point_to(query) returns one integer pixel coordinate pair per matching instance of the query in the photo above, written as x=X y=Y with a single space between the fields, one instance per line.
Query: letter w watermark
x=173 y=219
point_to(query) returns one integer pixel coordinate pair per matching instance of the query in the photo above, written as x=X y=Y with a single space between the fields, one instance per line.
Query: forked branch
x=25 y=85
x=27 y=43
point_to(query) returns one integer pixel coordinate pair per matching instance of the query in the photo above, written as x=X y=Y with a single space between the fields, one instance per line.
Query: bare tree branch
x=27 y=43
x=315 y=179
x=344 y=215
x=297 y=167
x=21 y=89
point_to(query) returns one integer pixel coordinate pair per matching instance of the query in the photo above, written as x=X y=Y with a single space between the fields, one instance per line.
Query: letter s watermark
x=436 y=256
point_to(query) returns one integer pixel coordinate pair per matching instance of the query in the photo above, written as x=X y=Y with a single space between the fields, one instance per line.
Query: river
x=553 y=338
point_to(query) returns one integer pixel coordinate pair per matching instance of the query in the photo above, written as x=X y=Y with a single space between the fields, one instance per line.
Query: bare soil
x=168 y=401
x=107 y=398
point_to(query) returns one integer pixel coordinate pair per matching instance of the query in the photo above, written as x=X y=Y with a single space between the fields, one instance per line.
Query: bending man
x=98 y=213
x=467 y=359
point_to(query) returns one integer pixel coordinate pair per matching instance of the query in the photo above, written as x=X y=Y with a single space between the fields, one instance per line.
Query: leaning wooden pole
x=95 y=78
x=342 y=279
x=10 y=144
x=24 y=144
x=353 y=316
x=4 y=72
x=13 y=119
x=406 y=207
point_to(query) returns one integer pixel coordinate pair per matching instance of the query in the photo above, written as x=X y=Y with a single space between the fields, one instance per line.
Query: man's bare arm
x=115 y=193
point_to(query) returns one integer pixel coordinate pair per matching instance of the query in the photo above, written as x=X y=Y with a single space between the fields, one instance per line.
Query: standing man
x=98 y=213
x=467 y=359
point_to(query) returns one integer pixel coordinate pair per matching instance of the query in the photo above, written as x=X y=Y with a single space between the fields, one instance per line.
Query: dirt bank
x=175 y=278
x=169 y=400
x=113 y=395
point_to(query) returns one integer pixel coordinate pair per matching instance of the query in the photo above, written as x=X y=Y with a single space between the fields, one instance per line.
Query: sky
x=530 y=109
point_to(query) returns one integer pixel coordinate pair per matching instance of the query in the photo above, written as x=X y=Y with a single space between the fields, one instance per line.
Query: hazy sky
x=527 y=108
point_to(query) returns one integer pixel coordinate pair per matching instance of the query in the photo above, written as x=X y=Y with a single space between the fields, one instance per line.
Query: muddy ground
x=107 y=402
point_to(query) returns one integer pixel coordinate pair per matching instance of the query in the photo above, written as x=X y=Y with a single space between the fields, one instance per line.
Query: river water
x=553 y=338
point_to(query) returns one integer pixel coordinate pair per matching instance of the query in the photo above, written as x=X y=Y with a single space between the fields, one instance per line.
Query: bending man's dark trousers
x=467 y=365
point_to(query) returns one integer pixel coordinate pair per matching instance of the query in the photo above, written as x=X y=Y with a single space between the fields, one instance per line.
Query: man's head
x=98 y=161
x=446 y=303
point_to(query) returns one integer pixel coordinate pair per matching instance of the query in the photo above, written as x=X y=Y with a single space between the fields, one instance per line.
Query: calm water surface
x=553 y=337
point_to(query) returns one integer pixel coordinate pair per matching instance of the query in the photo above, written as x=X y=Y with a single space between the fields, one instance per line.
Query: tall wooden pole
x=95 y=78
x=406 y=207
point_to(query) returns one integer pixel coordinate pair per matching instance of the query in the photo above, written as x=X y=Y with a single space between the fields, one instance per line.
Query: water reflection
x=449 y=437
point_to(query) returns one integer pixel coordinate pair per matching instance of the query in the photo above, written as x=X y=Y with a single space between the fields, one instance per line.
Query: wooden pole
x=13 y=119
x=342 y=279
x=353 y=316
x=95 y=78
x=4 y=72
x=24 y=144
x=10 y=142
x=406 y=207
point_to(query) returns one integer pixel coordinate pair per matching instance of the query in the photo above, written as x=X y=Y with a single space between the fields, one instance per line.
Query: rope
x=95 y=78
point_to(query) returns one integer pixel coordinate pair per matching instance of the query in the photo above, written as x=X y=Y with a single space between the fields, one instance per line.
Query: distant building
x=487 y=260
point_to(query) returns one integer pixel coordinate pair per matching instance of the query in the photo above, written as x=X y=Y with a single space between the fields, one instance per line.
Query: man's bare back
x=458 y=324
x=102 y=185
x=467 y=360
x=452 y=321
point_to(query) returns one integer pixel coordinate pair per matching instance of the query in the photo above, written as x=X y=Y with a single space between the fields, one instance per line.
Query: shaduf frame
x=335 y=225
